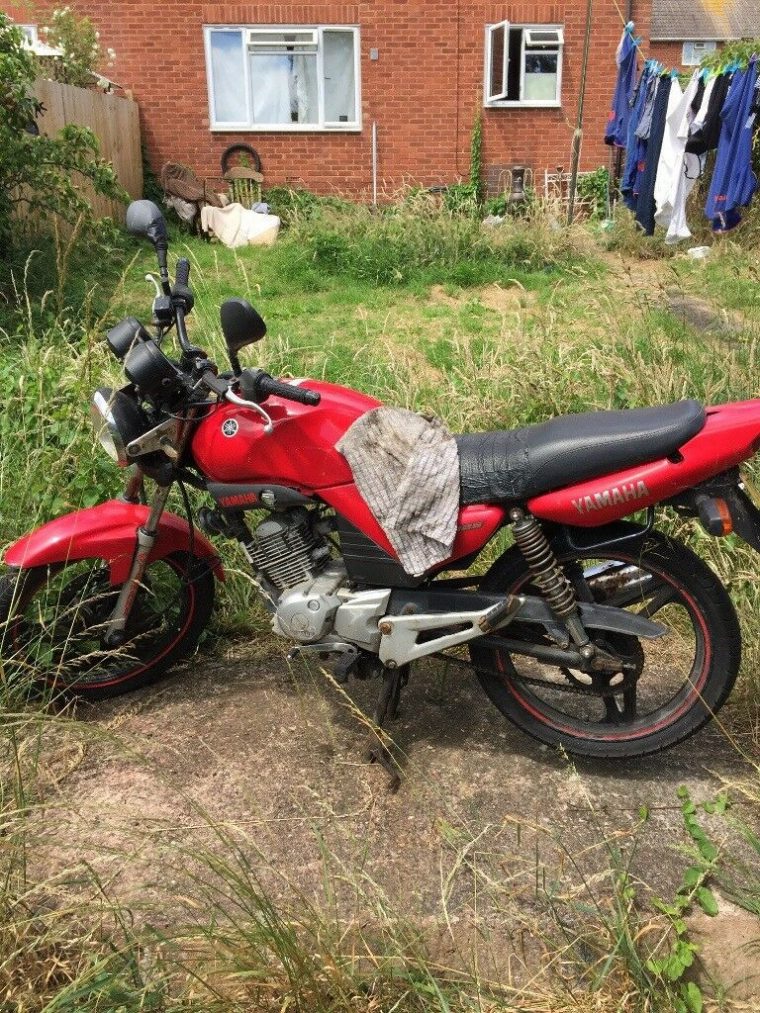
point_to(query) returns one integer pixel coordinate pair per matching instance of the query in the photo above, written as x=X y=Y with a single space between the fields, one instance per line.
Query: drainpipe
x=374 y=164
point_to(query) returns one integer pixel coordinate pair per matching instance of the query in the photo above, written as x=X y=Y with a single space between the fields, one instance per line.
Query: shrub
x=79 y=43
x=39 y=175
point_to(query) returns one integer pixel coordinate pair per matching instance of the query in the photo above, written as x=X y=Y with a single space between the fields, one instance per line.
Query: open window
x=523 y=65
x=497 y=66
x=283 y=78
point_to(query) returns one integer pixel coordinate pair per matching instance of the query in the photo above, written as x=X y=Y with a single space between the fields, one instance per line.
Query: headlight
x=118 y=420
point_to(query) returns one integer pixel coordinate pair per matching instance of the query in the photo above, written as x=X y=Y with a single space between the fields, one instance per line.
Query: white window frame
x=31 y=34
x=697 y=49
x=319 y=31
x=492 y=101
x=491 y=30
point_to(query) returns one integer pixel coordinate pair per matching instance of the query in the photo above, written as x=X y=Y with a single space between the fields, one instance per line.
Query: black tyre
x=53 y=619
x=240 y=149
x=677 y=682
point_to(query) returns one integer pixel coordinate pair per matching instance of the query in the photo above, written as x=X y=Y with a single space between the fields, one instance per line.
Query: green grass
x=418 y=309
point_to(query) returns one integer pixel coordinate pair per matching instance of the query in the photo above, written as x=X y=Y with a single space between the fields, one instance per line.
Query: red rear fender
x=107 y=532
x=731 y=436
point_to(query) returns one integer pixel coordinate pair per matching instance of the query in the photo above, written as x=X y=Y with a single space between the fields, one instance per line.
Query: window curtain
x=228 y=76
x=270 y=85
x=340 y=89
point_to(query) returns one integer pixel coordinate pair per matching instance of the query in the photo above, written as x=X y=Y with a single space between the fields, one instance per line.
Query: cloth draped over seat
x=406 y=468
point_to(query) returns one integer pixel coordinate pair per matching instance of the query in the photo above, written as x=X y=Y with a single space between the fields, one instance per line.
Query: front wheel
x=673 y=684
x=53 y=621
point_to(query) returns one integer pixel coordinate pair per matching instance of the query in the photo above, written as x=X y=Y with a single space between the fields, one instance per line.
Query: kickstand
x=394 y=679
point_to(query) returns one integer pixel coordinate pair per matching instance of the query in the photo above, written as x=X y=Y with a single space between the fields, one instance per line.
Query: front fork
x=145 y=538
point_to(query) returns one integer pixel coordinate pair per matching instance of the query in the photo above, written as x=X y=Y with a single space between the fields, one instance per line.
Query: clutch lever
x=234 y=399
x=221 y=388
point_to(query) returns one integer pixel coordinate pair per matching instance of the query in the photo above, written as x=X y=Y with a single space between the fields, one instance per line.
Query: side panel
x=476 y=524
x=107 y=532
x=300 y=452
x=731 y=435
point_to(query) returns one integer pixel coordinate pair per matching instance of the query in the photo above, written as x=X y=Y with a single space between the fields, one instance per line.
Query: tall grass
x=522 y=323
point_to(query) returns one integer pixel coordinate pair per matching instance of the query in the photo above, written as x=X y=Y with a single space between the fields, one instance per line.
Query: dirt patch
x=704 y=316
x=494 y=297
x=273 y=757
x=728 y=947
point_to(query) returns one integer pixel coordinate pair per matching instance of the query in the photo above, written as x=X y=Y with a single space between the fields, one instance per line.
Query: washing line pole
x=578 y=132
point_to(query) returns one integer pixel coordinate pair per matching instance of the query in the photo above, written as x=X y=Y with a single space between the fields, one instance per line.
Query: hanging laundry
x=645 y=205
x=678 y=171
x=734 y=183
x=620 y=113
x=707 y=123
x=628 y=179
x=642 y=134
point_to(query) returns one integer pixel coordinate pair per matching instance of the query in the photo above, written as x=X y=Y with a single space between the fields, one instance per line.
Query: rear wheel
x=673 y=685
x=53 y=621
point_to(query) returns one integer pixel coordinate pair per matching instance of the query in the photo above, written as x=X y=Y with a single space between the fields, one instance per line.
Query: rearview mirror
x=144 y=218
x=241 y=324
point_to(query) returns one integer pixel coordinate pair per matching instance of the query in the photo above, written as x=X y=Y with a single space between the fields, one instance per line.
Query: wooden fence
x=114 y=121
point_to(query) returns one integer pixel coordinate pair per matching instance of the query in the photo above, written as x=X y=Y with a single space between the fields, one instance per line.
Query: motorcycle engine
x=290 y=551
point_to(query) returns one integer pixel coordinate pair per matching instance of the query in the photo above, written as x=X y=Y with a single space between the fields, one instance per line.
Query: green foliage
x=739 y=52
x=414 y=242
x=79 y=42
x=294 y=205
x=39 y=176
x=152 y=189
x=462 y=198
x=594 y=192
x=694 y=889
x=476 y=157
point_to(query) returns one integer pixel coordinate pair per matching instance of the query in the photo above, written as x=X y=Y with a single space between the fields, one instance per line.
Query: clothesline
x=667 y=131
x=727 y=63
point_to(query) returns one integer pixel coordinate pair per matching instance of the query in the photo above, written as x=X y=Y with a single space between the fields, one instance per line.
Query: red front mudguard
x=107 y=532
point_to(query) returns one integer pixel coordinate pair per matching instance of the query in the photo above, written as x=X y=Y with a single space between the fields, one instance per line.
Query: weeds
x=425 y=309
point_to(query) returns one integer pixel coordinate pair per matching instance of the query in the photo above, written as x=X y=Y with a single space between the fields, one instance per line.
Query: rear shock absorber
x=547 y=573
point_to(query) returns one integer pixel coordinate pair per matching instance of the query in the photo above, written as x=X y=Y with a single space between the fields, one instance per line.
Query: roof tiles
x=705 y=19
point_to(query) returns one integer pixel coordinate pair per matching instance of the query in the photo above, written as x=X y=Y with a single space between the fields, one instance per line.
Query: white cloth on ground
x=236 y=226
x=407 y=470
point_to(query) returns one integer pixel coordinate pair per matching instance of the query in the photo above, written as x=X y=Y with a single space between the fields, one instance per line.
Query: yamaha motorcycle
x=591 y=632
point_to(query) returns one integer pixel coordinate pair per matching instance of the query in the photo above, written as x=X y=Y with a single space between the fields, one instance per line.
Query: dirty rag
x=406 y=468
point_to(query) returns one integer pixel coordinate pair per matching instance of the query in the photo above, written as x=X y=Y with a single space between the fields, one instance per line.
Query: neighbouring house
x=684 y=31
x=307 y=84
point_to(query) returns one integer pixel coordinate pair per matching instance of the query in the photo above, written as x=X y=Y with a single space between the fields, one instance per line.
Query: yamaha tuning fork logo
x=230 y=427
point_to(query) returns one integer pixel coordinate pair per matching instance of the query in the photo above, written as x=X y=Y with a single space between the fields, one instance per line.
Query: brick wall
x=670 y=54
x=424 y=91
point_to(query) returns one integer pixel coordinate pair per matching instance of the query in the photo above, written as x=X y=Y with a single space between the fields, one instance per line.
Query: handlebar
x=263 y=385
x=183 y=271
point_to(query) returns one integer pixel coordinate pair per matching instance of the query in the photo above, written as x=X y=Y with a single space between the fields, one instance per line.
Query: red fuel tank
x=230 y=445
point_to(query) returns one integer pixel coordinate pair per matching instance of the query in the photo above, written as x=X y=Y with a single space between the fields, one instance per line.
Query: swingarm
x=424 y=622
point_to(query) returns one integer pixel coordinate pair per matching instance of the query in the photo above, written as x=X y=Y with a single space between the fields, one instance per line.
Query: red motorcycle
x=591 y=632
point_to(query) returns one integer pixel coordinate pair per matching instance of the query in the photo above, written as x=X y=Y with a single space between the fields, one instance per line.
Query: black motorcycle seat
x=517 y=464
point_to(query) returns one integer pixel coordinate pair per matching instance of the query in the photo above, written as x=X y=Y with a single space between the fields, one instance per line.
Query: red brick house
x=684 y=31
x=304 y=83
